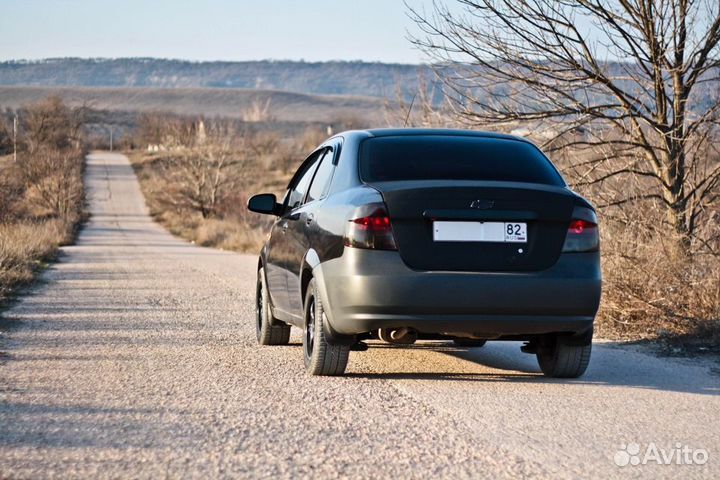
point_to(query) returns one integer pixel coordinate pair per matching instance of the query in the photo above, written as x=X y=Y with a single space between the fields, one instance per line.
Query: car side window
x=298 y=190
x=321 y=183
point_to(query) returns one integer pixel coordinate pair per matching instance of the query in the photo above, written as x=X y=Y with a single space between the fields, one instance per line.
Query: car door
x=301 y=223
x=282 y=247
x=275 y=266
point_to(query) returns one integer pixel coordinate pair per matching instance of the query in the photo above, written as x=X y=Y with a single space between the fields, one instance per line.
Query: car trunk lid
x=414 y=206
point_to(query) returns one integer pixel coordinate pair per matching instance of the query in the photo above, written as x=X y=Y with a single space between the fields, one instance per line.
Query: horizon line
x=186 y=60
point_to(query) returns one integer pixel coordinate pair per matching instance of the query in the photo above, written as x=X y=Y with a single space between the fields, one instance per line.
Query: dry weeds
x=652 y=288
x=41 y=195
x=24 y=247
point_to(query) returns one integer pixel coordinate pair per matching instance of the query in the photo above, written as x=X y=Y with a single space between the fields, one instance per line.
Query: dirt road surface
x=135 y=357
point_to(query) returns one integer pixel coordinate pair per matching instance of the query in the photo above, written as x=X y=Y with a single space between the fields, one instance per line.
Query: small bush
x=53 y=183
x=24 y=246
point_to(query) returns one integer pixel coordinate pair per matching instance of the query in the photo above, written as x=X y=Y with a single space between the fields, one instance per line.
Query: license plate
x=505 y=232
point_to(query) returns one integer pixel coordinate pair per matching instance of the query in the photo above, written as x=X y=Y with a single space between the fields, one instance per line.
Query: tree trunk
x=673 y=175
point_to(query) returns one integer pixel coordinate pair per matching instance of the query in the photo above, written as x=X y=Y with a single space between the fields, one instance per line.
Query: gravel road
x=135 y=357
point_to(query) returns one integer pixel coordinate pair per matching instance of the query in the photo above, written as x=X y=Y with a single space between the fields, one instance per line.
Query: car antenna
x=407 y=117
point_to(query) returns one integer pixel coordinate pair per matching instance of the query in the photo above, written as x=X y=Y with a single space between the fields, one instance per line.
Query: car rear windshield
x=443 y=157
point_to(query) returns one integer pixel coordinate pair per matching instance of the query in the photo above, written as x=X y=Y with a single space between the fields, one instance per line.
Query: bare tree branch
x=624 y=73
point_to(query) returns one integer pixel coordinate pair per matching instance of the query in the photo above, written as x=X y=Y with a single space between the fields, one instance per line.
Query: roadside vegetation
x=41 y=192
x=197 y=174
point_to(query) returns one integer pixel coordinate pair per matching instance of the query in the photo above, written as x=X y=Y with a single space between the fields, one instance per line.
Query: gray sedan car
x=410 y=234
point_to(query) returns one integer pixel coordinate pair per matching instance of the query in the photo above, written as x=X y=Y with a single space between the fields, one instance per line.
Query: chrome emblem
x=482 y=204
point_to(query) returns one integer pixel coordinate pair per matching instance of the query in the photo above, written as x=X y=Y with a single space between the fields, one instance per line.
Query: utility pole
x=111 y=138
x=15 y=126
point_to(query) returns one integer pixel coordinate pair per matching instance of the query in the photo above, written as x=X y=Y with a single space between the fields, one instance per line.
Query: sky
x=311 y=30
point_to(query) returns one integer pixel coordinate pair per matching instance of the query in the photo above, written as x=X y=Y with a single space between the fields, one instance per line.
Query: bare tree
x=151 y=128
x=53 y=179
x=48 y=174
x=426 y=107
x=638 y=78
x=52 y=124
x=202 y=173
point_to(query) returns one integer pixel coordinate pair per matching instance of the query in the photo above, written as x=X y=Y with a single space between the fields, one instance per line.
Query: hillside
x=325 y=78
x=227 y=102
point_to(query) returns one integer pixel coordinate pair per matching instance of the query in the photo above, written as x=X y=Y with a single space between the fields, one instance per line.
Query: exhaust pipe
x=398 y=336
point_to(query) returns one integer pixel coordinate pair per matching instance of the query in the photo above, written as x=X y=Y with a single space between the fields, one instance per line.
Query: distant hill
x=324 y=78
x=226 y=88
x=228 y=102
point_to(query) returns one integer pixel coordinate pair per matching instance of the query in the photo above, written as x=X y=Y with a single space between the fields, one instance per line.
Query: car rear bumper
x=368 y=289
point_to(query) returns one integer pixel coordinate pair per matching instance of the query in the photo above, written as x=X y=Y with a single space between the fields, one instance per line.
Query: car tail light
x=371 y=230
x=582 y=236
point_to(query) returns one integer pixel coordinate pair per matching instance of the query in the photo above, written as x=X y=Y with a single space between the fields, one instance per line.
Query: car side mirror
x=264 y=203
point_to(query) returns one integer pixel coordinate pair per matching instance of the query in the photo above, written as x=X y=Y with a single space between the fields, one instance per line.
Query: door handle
x=309 y=219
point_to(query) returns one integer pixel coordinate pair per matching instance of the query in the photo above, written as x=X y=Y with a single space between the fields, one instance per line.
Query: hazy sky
x=208 y=29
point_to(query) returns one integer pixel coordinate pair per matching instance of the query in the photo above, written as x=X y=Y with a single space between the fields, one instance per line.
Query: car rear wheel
x=321 y=357
x=469 y=342
x=559 y=359
x=268 y=329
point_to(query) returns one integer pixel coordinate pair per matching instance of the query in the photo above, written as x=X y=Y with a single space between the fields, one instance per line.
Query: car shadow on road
x=612 y=365
x=454 y=376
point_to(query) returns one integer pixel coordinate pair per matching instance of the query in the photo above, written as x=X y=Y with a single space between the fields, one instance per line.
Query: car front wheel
x=321 y=357
x=268 y=329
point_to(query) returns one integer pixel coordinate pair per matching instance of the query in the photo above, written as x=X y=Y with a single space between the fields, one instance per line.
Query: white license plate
x=507 y=232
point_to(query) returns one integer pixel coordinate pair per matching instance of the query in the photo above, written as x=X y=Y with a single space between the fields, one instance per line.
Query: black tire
x=321 y=357
x=558 y=359
x=469 y=342
x=268 y=329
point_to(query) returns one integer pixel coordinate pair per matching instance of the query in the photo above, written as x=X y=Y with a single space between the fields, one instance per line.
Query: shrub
x=41 y=195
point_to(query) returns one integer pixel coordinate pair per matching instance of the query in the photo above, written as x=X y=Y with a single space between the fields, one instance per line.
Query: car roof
x=450 y=132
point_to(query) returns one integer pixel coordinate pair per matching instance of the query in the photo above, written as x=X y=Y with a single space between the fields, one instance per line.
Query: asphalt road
x=135 y=356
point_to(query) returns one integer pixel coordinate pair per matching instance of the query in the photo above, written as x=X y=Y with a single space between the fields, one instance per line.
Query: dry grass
x=240 y=235
x=41 y=195
x=215 y=233
x=24 y=247
x=652 y=289
x=655 y=285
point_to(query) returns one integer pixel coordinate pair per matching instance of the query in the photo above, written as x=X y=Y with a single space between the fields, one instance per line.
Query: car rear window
x=438 y=157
